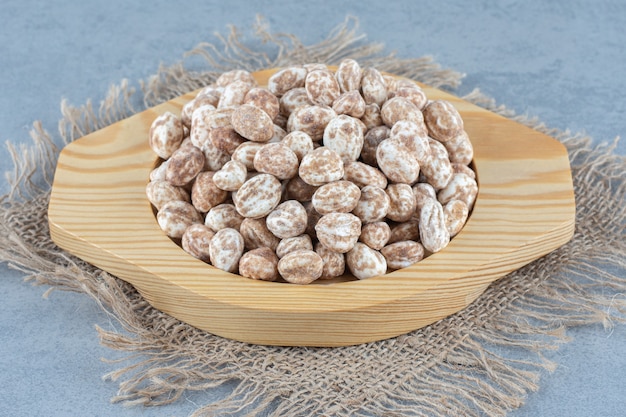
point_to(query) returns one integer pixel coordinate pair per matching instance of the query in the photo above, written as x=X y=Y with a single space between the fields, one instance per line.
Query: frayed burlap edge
x=481 y=361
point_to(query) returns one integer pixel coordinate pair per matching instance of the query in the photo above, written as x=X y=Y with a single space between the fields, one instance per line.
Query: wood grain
x=525 y=209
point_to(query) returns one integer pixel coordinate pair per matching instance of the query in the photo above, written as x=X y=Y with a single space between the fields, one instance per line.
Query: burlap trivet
x=481 y=361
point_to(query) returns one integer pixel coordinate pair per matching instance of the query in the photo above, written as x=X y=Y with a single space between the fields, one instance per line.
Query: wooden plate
x=524 y=209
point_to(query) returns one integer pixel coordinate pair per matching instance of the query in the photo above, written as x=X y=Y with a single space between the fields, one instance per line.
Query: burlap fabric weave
x=481 y=361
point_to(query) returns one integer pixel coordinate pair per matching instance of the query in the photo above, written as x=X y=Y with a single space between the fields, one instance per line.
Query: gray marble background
x=563 y=61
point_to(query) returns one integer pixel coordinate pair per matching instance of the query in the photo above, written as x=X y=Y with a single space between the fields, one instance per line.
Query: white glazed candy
x=258 y=196
x=166 y=134
x=375 y=235
x=373 y=87
x=311 y=120
x=350 y=103
x=396 y=162
x=223 y=216
x=196 y=241
x=318 y=173
x=252 y=123
x=184 y=165
x=402 y=254
x=322 y=87
x=362 y=174
x=276 y=159
x=321 y=166
x=226 y=249
x=292 y=244
x=365 y=262
x=263 y=99
x=443 y=120
x=301 y=267
x=349 y=74
x=161 y=192
x=338 y=231
x=289 y=219
x=344 y=135
x=286 y=80
x=260 y=263
x=175 y=216
x=334 y=262
x=402 y=203
x=231 y=176
x=434 y=234
x=400 y=108
x=336 y=197
x=373 y=205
